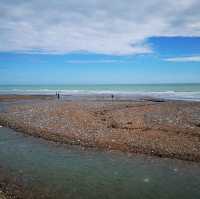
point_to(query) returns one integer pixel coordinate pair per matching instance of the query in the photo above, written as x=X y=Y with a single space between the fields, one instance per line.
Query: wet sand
x=154 y=127
x=9 y=98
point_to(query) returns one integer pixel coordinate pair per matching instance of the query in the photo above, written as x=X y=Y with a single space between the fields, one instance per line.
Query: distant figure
x=58 y=95
x=112 y=96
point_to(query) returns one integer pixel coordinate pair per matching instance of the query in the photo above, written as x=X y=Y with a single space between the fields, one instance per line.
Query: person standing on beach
x=112 y=96
x=58 y=95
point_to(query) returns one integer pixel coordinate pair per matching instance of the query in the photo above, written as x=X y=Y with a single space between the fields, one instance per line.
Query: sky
x=99 y=41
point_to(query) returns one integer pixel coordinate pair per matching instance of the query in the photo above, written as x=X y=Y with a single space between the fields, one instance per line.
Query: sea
x=185 y=91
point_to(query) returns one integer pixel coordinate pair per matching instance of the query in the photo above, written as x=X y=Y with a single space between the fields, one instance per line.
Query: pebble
x=82 y=120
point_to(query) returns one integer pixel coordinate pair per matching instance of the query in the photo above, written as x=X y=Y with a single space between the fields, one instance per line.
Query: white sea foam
x=120 y=92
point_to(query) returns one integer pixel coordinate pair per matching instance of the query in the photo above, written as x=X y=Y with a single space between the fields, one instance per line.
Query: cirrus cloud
x=107 y=27
x=184 y=59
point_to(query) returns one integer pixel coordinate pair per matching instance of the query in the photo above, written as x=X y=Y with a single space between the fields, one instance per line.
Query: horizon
x=103 y=84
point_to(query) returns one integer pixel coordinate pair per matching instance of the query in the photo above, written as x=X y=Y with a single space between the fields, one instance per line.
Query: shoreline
x=94 y=95
x=161 y=128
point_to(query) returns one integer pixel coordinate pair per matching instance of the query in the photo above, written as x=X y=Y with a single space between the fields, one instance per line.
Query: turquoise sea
x=168 y=91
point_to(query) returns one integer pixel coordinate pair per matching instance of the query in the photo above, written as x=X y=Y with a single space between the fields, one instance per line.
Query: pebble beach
x=161 y=128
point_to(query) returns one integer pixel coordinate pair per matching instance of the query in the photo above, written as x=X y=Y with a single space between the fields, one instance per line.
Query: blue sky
x=99 y=42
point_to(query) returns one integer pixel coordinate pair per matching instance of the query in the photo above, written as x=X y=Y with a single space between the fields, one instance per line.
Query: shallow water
x=166 y=91
x=62 y=171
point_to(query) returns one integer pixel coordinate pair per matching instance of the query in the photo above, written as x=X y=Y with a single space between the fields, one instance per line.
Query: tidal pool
x=48 y=170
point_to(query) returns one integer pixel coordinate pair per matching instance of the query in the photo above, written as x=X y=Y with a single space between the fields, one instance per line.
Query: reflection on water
x=70 y=172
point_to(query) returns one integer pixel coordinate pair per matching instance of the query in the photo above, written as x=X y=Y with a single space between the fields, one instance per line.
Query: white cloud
x=99 y=26
x=101 y=61
x=184 y=59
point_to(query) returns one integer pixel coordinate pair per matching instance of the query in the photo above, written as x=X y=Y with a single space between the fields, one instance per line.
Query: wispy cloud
x=107 y=27
x=184 y=59
x=103 y=61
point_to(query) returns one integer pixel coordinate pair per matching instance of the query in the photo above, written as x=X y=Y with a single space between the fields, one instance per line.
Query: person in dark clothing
x=58 y=95
x=112 y=96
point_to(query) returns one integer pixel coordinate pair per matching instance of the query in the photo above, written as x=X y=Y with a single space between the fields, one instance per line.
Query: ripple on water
x=146 y=180
x=64 y=171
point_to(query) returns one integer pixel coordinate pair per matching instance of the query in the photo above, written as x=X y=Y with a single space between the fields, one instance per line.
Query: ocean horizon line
x=57 y=84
